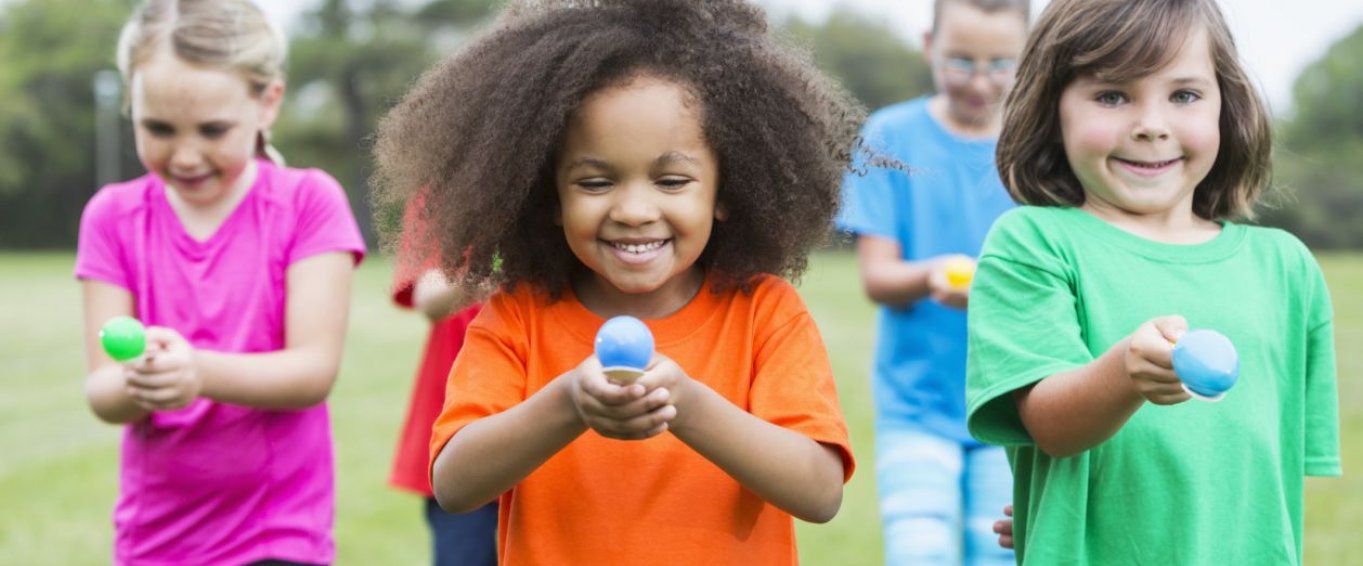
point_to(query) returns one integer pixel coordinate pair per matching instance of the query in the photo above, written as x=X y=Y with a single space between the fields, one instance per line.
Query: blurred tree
x=1317 y=164
x=866 y=55
x=51 y=50
x=349 y=62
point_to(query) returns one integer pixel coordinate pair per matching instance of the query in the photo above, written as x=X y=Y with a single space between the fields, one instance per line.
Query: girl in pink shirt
x=241 y=269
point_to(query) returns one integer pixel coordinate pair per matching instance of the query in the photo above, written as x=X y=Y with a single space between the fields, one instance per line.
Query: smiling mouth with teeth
x=639 y=248
x=1148 y=164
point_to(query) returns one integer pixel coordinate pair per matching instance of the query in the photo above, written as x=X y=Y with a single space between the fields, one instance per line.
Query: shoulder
x=896 y=116
x=770 y=300
x=1030 y=223
x=293 y=185
x=512 y=307
x=1285 y=247
x=118 y=200
x=1043 y=237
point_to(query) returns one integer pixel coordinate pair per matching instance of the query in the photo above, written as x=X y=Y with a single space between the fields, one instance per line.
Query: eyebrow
x=664 y=159
x=1191 y=80
x=153 y=122
x=675 y=156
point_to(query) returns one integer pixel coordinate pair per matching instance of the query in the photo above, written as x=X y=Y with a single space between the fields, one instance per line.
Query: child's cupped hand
x=165 y=378
x=1149 y=360
x=940 y=288
x=633 y=411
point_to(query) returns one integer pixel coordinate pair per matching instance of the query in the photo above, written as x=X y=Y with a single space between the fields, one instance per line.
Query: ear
x=721 y=212
x=270 y=101
x=927 y=47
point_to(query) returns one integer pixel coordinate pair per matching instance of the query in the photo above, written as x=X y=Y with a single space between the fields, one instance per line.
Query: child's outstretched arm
x=1072 y=411
x=891 y=280
x=491 y=455
x=175 y=373
x=301 y=374
x=782 y=466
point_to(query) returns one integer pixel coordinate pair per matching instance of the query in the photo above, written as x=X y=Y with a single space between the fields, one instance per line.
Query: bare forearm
x=896 y=283
x=1070 y=412
x=491 y=455
x=783 y=467
x=107 y=393
x=294 y=378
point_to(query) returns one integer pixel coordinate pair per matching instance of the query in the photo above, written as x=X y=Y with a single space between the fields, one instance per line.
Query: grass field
x=58 y=463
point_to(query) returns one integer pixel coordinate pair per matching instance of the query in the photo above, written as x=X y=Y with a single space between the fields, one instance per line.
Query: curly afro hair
x=471 y=148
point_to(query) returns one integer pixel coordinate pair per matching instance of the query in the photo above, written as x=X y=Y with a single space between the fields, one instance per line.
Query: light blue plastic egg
x=624 y=342
x=1207 y=363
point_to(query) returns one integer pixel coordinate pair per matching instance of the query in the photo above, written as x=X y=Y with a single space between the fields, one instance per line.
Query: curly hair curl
x=476 y=139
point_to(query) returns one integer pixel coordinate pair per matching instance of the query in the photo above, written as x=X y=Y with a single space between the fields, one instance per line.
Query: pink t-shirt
x=215 y=483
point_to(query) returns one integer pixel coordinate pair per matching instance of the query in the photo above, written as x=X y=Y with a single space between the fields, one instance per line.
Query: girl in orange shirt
x=665 y=159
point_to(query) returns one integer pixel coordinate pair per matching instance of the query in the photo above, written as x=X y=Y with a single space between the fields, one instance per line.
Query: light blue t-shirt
x=945 y=206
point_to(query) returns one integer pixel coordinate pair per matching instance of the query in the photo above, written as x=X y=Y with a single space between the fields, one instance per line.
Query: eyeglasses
x=962 y=70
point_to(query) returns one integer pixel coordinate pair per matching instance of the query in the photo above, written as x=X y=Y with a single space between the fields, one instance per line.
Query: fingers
x=641 y=427
x=1171 y=327
x=598 y=388
x=653 y=400
x=1004 y=527
x=1171 y=397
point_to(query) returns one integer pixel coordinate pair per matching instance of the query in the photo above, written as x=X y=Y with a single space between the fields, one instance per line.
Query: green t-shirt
x=1187 y=484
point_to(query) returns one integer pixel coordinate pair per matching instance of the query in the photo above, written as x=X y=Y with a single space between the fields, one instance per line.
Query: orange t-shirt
x=602 y=501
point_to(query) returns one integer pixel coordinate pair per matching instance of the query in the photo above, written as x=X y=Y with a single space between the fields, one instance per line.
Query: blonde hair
x=230 y=35
x=1022 y=8
x=1121 y=40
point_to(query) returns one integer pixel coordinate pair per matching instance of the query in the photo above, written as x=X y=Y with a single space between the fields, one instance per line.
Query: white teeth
x=639 y=248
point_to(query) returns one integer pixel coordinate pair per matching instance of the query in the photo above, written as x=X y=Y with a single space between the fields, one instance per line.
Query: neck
x=606 y=301
x=986 y=128
x=201 y=220
x=1178 y=226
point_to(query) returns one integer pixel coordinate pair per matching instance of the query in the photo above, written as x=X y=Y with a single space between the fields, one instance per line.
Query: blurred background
x=62 y=135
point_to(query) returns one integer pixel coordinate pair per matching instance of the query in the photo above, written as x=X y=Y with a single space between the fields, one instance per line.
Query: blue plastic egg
x=1207 y=363
x=624 y=342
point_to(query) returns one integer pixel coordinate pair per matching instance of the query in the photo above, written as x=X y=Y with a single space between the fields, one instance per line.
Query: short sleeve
x=1023 y=326
x=99 y=250
x=489 y=375
x=1322 y=396
x=793 y=385
x=868 y=191
x=325 y=222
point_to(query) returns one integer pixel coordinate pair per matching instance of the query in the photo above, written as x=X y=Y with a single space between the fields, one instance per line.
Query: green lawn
x=58 y=463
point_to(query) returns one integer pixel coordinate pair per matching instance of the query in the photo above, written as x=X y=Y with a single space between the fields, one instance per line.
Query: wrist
x=692 y=400
x=560 y=396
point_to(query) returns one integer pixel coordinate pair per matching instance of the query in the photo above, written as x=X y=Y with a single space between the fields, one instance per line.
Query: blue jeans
x=939 y=499
x=463 y=539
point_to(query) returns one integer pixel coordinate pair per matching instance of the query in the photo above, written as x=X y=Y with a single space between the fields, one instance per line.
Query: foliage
x=870 y=60
x=1318 y=163
x=356 y=61
x=50 y=50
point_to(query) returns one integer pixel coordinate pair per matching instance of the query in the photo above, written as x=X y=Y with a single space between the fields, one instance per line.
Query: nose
x=635 y=204
x=1151 y=124
x=185 y=156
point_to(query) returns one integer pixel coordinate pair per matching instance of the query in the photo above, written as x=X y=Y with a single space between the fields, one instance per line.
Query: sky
x=1277 y=39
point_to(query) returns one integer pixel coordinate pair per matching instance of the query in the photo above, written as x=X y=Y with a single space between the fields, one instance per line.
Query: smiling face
x=196 y=128
x=1140 y=148
x=637 y=187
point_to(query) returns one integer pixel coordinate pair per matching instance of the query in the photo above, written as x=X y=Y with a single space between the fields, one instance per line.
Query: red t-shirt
x=410 y=470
